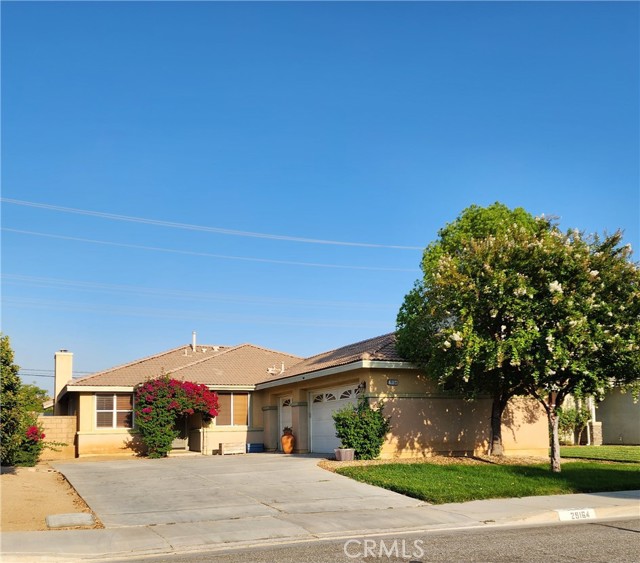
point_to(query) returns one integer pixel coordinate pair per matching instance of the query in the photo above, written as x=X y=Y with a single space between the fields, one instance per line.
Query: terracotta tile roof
x=245 y=364
x=381 y=348
x=223 y=365
x=242 y=365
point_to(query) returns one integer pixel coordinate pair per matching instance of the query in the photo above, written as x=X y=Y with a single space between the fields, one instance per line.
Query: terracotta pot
x=288 y=441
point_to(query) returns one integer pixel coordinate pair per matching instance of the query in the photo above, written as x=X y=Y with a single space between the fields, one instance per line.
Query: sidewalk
x=325 y=524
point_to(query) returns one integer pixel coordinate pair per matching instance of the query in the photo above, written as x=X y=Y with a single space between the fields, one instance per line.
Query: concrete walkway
x=202 y=503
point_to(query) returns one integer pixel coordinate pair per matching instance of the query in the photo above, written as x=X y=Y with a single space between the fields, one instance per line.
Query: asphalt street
x=597 y=542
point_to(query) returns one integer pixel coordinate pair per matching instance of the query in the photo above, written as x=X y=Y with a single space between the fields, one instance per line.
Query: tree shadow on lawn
x=586 y=477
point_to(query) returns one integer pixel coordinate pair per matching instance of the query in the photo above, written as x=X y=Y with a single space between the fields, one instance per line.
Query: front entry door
x=182 y=441
x=286 y=417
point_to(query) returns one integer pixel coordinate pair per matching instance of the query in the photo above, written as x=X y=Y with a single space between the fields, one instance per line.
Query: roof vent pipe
x=193 y=340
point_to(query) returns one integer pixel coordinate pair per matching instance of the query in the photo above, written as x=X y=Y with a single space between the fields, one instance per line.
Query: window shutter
x=124 y=402
x=224 y=416
x=104 y=419
x=240 y=409
x=123 y=420
x=104 y=402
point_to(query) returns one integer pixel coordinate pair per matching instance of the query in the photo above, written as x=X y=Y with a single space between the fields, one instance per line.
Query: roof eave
x=130 y=389
x=366 y=364
x=99 y=388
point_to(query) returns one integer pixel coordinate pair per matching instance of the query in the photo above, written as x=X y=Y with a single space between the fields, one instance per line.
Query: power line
x=43 y=370
x=58 y=283
x=209 y=255
x=189 y=227
x=27 y=375
x=35 y=303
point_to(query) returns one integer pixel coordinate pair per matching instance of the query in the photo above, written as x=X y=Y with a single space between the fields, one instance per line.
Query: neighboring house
x=261 y=391
x=619 y=414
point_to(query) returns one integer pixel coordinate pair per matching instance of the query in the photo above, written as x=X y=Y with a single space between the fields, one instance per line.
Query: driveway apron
x=145 y=492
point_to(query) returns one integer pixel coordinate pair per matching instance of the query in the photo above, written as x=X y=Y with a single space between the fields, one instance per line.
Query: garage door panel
x=324 y=404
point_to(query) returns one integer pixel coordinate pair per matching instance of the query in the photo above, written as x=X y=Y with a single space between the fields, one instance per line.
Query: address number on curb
x=576 y=514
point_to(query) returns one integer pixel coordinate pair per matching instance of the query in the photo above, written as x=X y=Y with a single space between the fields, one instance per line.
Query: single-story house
x=261 y=391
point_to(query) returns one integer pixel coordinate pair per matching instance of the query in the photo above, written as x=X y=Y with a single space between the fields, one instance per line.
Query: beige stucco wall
x=101 y=441
x=620 y=417
x=213 y=437
x=525 y=430
x=108 y=442
x=427 y=426
x=424 y=420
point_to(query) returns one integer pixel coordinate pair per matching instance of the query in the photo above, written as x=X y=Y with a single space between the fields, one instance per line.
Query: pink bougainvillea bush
x=160 y=402
x=31 y=446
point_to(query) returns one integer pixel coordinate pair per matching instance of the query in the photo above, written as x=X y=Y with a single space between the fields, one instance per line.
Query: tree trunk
x=552 y=415
x=497 y=406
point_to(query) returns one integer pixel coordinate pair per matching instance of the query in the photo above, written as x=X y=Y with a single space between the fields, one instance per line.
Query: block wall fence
x=59 y=429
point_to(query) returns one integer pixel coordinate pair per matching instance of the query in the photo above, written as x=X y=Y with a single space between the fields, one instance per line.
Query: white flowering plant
x=524 y=309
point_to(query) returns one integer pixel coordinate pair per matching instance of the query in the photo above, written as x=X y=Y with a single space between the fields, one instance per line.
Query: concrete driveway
x=209 y=503
x=267 y=490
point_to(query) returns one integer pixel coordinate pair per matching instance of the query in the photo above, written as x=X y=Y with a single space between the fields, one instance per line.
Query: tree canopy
x=524 y=309
x=10 y=414
x=451 y=322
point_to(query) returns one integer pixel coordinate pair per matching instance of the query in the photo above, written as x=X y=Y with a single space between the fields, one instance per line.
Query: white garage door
x=324 y=403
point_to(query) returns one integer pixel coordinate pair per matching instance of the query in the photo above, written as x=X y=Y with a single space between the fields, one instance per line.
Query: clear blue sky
x=372 y=123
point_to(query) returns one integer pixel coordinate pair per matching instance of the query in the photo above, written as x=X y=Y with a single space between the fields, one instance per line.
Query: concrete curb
x=70 y=520
x=104 y=544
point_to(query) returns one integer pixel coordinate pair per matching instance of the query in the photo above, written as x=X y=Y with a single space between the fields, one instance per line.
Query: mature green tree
x=527 y=311
x=10 y=412
x=451 y=323
x=32 y=398
x=587 y=317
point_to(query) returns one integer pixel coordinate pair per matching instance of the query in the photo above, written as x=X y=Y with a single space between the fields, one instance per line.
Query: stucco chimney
x=63 y=370
x=193 y=340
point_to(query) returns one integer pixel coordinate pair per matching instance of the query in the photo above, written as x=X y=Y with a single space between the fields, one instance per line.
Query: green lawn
x=460 y=483
x=608 y=453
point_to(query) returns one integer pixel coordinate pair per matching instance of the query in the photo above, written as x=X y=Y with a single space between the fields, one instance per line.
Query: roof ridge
x=232 y=349
x=210 y=357
x=135 y=362
x=271 y=350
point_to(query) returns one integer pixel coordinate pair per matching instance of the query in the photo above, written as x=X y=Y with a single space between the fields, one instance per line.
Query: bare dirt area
x=30 y=494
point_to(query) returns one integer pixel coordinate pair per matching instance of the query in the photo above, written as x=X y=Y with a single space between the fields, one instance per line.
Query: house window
x=114 y=410
x=234 y=409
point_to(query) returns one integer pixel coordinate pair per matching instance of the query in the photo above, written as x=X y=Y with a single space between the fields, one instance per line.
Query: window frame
x=231 y=394
x=114 y=411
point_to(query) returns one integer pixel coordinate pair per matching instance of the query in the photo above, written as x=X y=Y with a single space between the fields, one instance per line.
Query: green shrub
x=31 y=447
x=11 y=413
x=362 y=428
x=573 y=421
